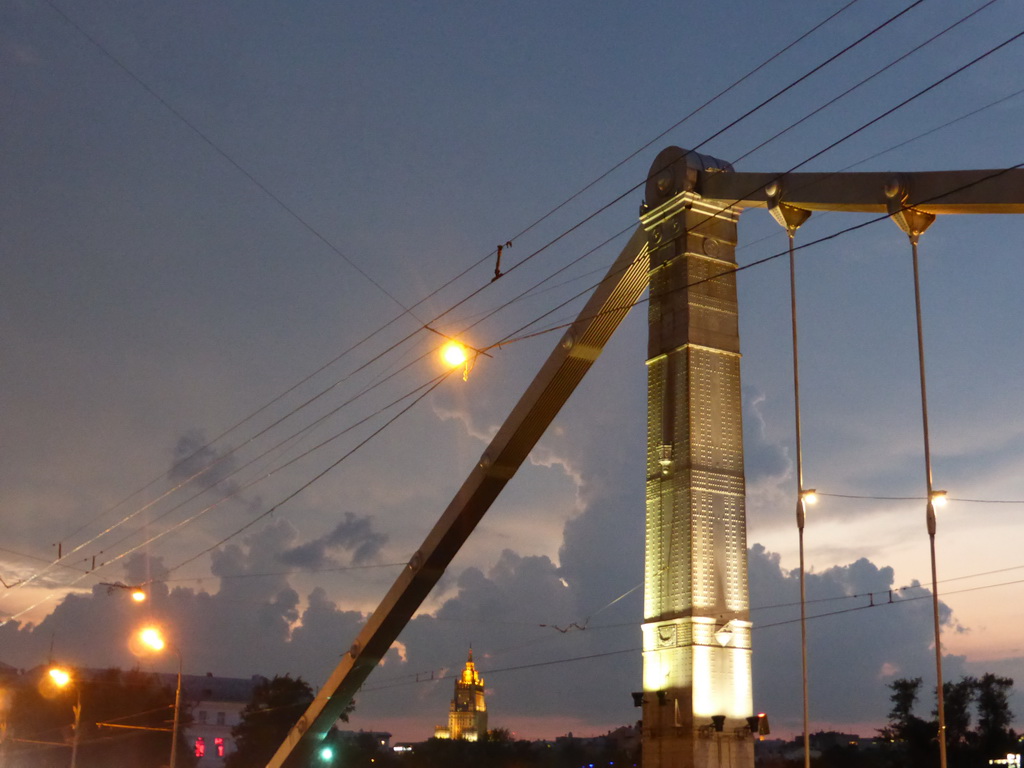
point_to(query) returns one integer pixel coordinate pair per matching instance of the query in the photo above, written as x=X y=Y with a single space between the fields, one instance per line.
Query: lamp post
x=62 y=678
x=153 y=639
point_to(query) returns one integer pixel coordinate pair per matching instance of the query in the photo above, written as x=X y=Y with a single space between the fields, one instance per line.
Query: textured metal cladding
x=568 y=377
x=613 y=311
x=695 y=571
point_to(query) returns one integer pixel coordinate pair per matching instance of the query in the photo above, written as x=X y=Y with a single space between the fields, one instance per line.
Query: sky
x=225 y=227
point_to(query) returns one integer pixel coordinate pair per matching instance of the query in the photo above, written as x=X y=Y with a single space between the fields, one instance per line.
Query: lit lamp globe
x=60 y=677
x=152 y=639
x=454 y=354
x=148 y=641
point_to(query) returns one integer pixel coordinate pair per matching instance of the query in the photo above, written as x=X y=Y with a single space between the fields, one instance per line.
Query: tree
x=958 y=698
x=903 y=698
x=915 y=737
x=995 y=737
x=274 y=708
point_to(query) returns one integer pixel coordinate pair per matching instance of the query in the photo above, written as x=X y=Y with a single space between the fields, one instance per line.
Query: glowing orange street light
x=151 y=638
x=61 y=678
x=139 y=595
x=454 y=354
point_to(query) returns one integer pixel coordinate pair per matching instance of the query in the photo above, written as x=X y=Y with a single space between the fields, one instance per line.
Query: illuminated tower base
x=696 y=634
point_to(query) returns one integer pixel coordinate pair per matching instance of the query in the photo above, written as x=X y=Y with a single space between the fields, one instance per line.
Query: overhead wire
x=223 y=457
x=739 y=81
x=866 y=80
x=876 y=119
x=423 y=390
x=829 y=147
x=871 y=122
x=252 y=178
x=433 y=385
x=435 y=676
x=734 y=122
x=766 y=259
x=304 y=430
x=921 y=498
x=865 y=606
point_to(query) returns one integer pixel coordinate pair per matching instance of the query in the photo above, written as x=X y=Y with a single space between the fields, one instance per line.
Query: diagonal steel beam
x=556 y=381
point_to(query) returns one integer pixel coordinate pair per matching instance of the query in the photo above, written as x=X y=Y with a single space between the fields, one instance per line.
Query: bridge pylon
x=697 y=697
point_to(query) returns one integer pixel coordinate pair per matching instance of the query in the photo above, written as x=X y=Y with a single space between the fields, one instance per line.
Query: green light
x=326 y=754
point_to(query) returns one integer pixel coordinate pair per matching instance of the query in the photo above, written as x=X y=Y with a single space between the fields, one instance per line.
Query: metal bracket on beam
x=911 y=220
x=789 y=216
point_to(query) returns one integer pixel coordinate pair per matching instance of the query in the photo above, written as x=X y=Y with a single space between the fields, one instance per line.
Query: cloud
x=354 y=534
x=763 y=458
x=194 y=460
x=553 y=640
x=861 y=636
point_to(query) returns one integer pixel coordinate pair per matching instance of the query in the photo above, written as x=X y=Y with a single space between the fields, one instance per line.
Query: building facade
x=467 y=716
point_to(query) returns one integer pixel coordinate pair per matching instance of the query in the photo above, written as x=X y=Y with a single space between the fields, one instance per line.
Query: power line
x=747 y=114
x=170 y=108
x=865 y=223
x=432 y=386
x=421 y=677
x=866 y=80
x=424 y=390
x=684 y=119
x=292 y=572
x=216 y=148
x=920 y=498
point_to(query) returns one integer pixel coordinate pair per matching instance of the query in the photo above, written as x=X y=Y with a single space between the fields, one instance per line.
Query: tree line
x=977 y=715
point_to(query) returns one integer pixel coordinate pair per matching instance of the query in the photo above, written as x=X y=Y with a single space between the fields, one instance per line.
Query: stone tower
x=696 y=632
x=467 y=717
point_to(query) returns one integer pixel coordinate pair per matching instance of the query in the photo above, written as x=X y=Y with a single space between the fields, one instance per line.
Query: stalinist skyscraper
x=467 y=718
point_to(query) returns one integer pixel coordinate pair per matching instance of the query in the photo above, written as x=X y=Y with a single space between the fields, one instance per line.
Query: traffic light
x=326 y=754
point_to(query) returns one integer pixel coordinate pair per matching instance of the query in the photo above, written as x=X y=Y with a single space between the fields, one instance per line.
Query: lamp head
x=454 y=354
x=59 y=677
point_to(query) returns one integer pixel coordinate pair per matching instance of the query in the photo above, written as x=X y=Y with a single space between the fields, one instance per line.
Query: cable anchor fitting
x=497 y=266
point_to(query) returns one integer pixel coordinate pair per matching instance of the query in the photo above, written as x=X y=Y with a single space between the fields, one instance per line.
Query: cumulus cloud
x=559 y=641
x=196 y=461
x=862 y=634
x=354 y=534
x=763 y=458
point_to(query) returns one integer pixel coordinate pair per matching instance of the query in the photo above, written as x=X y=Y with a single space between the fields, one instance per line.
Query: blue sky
x=205 y=203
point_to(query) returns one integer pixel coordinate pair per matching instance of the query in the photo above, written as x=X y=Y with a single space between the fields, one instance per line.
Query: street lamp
x=62 y=678
x=454 y=354
x=152 y=638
